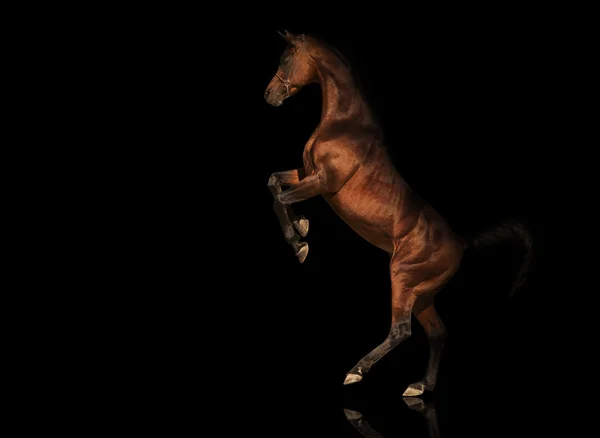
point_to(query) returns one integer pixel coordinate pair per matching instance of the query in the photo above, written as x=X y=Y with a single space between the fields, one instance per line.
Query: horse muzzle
x=277 y=91
x=274 y=97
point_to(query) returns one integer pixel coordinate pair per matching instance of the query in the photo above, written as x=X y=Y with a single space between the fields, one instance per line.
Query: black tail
x=507 y=232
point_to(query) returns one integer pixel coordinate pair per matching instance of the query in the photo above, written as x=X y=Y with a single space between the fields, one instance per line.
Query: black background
x=214 y=312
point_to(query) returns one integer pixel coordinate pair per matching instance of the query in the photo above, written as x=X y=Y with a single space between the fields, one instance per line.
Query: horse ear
x=286 y=36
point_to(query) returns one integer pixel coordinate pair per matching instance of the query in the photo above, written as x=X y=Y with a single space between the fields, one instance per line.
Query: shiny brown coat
x=346 y=162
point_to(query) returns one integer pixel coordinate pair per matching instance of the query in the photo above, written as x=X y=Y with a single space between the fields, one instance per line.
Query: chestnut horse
x=346 y=162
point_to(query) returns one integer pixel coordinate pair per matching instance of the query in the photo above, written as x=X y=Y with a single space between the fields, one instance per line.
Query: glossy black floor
x=493 y=379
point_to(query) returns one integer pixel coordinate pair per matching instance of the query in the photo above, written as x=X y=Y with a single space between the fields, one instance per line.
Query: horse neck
x=341 y=97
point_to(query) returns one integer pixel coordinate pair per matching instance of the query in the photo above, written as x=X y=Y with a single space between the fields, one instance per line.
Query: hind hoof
x=302 y=252
x=301 y=226
x=352 y=378
x=414 y=390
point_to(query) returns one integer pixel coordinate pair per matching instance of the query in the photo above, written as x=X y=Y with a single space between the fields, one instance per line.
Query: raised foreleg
x=290 y=223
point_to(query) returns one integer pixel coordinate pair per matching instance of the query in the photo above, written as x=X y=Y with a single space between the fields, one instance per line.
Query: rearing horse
x=346 y=162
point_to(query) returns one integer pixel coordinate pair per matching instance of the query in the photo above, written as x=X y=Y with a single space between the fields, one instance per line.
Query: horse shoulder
x=338 y=158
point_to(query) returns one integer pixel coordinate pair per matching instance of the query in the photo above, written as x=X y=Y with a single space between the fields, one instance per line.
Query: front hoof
x=302 y=252
x=414 y=390
x=352 y=378
x=302 y=226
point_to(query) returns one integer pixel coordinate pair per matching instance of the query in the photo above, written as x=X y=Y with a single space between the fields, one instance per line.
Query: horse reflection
x=416 y=404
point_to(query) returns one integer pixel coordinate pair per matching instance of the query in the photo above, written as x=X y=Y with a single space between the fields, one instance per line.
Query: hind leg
x=402 y=303
x=427 y=316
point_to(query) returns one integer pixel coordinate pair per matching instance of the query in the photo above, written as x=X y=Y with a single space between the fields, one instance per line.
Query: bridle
x=286 y=81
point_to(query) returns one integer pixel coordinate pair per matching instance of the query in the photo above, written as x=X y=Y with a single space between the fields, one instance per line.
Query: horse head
x=296 y=70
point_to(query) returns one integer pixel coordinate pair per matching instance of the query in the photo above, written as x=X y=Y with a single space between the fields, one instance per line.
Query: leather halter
x=286 y=81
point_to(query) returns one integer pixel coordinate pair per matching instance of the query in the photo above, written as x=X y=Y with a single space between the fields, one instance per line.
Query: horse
x=346 y=161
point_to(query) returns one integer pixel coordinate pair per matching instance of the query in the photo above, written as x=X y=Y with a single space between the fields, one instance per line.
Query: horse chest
x=308 y=158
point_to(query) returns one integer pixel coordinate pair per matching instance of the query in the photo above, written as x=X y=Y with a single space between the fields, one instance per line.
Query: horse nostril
x=267 y=92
